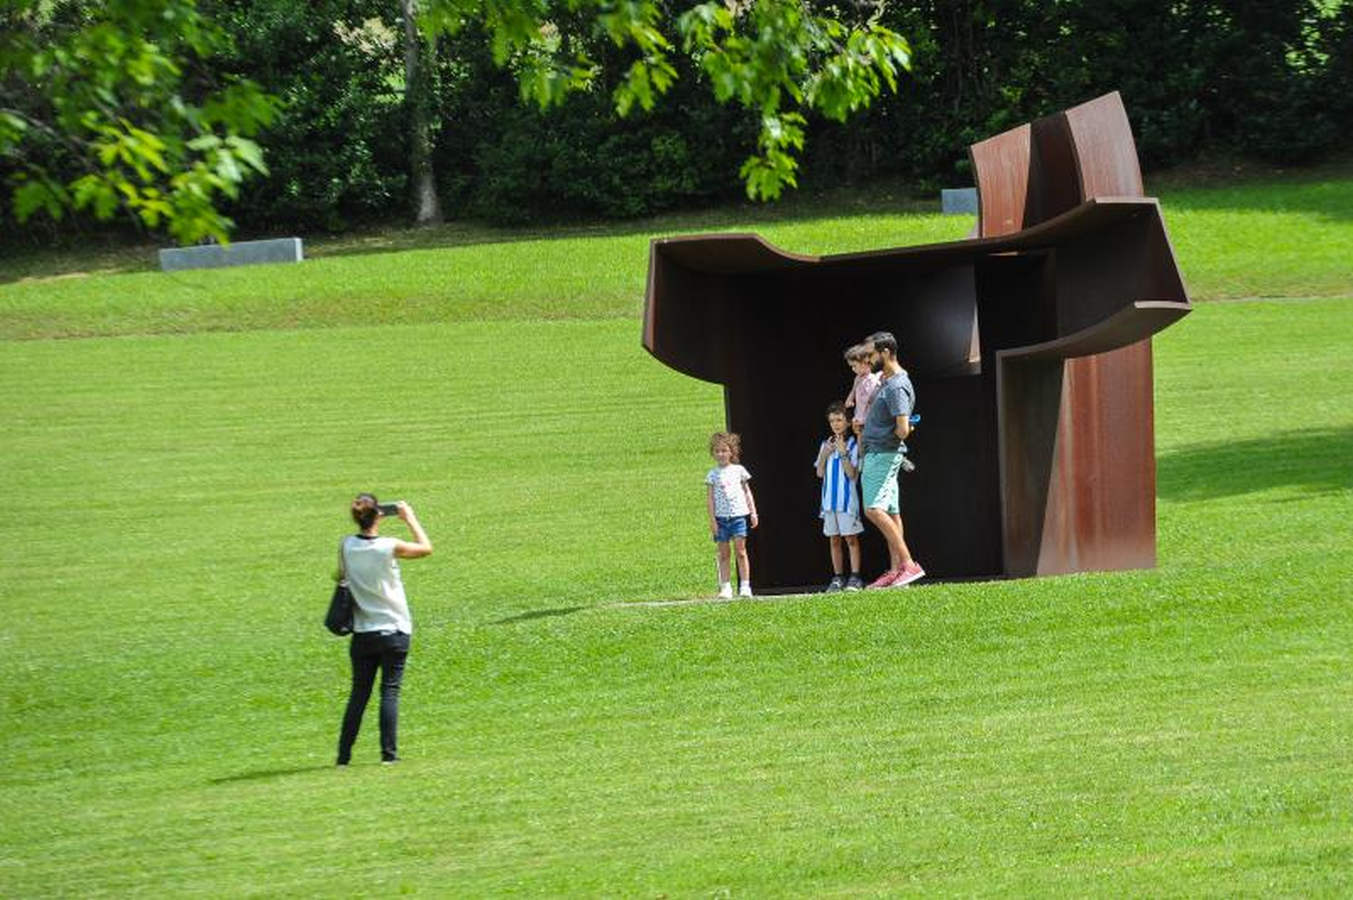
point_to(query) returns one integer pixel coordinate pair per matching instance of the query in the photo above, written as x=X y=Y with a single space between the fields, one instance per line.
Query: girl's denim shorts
x=729 y=527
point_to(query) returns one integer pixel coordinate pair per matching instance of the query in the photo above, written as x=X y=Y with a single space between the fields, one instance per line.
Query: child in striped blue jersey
x=838 y=465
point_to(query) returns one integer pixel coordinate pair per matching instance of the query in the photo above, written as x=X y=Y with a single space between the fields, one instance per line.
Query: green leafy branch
x=776 y=58
x=106 y=97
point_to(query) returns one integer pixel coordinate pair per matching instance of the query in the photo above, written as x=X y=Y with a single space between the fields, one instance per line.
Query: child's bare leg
x=853 y=545
x=724 y=559
x=744 y=564
x=835 y=542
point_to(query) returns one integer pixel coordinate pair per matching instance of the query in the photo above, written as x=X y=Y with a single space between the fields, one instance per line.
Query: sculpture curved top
x=1028 y=344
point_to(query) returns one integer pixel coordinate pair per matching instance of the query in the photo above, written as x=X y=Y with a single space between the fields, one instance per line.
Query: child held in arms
x=865 y=384
x=838 y=466
x=732 y=510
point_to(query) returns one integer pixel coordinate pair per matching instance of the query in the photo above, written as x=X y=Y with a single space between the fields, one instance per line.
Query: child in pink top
x=862 y=391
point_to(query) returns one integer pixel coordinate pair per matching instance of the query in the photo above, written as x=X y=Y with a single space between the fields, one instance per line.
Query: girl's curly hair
x=729 y=439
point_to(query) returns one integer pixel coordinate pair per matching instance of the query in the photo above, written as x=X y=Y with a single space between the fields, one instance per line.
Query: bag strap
x=342 y=561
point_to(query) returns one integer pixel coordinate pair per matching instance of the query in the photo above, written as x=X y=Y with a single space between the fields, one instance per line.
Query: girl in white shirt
x=732 y=510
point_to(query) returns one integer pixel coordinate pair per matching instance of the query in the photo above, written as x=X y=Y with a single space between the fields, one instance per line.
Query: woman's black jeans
x=372 y=650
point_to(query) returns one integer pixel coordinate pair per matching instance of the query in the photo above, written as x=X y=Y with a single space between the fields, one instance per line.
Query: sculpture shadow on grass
x=1312 y=460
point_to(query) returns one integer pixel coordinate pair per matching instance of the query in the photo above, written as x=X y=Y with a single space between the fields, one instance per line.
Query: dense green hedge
x=508 y=162
x=338 y=153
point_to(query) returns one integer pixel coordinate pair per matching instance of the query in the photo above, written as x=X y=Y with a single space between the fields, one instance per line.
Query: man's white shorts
x=838 y=523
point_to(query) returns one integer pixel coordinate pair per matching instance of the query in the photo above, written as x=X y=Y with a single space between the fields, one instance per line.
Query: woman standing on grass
x=381 y=625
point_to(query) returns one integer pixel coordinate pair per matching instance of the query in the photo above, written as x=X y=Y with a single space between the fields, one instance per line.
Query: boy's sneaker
x=725 y=592
x=745 y=590
x=884 y=580
x=907 y=574
x=836 y=584
x=854 y=583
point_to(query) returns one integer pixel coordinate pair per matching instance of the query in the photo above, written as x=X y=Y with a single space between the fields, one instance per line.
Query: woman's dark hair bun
x=364 y=510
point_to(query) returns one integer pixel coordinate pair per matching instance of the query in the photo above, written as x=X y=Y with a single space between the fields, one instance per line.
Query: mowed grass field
x=575 y=721
x=1290 y=237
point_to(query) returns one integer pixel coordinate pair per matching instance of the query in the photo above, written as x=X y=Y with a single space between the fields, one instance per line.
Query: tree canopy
x=536 y=110
x=116 y=106
x=776 y=58
x=113 y=106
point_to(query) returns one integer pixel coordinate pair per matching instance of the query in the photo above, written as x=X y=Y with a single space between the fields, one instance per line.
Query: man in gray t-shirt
x=892 y=401
x=886 y=426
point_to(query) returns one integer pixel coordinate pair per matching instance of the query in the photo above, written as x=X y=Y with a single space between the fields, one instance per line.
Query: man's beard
x=876 y=366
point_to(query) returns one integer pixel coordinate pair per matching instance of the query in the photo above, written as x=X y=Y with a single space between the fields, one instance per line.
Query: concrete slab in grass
x=958 y=200
x=239 y=253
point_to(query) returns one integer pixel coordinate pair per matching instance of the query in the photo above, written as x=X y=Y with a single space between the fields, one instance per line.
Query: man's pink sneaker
x=884 y=580
x=907 y=574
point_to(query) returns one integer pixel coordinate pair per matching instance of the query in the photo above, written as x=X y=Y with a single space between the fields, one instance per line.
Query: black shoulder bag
x=339 y=618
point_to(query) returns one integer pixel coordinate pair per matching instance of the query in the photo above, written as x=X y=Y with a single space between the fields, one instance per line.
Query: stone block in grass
x=239 y=253
x=954 y=201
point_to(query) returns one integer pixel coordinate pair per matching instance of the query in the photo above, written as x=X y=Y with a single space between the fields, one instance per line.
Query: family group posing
x=865 y=452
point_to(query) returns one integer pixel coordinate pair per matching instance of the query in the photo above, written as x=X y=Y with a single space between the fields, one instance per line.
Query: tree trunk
x=427 y=208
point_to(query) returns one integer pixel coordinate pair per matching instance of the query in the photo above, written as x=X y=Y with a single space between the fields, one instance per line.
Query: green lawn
x=171 y=700
x=1270 y=237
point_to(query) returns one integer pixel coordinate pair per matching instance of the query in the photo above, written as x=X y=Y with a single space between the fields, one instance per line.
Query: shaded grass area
x=1271 y=237
x=1311 y=460
x=171 y=700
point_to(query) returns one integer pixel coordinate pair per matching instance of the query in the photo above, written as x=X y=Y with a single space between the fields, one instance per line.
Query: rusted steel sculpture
x=1029 y=346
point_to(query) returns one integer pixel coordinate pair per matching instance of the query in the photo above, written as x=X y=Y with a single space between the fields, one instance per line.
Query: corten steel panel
x=1096 y=508
x=1098 y=515
x=1002 y=164
x=1029 y=348
x=1036 y=172
x=1053 y=188
x=1106 y=156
